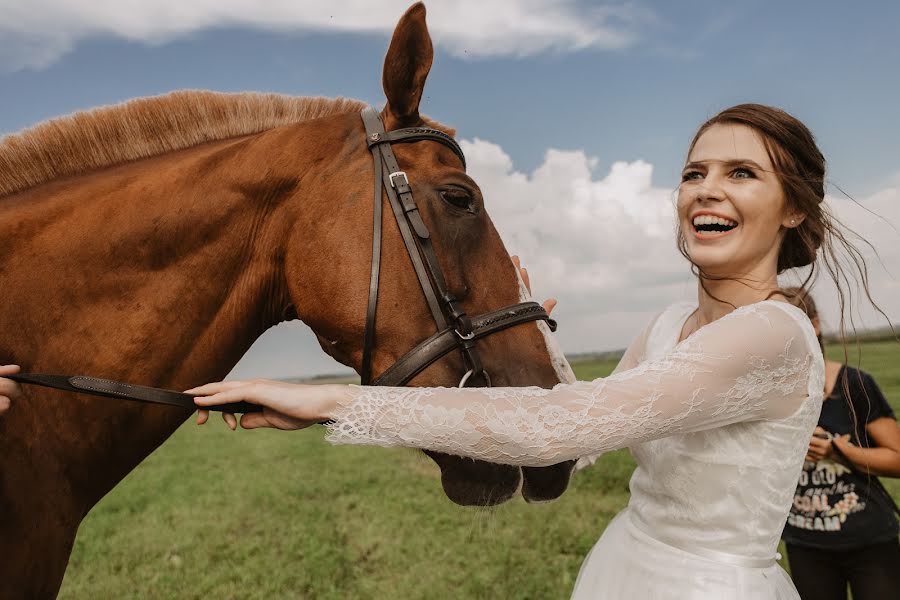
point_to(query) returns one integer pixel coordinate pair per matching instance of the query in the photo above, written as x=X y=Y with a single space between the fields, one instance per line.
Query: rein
x=455 y=329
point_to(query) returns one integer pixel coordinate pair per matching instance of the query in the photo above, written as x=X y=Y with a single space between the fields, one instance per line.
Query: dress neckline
x=693 y=306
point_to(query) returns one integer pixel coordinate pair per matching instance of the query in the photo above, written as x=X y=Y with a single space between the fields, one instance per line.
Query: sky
x=575 y=116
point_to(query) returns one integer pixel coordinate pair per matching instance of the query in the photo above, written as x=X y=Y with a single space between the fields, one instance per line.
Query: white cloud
x=33 y=34
x=602 y=245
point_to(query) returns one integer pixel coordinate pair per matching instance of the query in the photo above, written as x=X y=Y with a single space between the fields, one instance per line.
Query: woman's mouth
x=712 y=226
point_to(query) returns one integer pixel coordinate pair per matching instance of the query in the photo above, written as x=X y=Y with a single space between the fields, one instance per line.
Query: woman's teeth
x=710 y=223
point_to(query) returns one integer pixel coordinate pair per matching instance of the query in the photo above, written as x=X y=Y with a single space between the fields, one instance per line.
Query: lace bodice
x=718 y=423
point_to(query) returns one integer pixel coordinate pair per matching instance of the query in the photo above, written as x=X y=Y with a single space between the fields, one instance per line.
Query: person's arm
x=8 y=389
x=881 y=460
x=881 y=427
x=749 y=365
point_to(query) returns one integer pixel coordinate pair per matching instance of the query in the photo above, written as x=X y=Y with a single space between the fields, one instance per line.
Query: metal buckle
x=398 y=174
x=468 y=336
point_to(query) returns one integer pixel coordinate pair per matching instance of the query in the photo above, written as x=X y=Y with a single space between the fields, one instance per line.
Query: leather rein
x=455 y=329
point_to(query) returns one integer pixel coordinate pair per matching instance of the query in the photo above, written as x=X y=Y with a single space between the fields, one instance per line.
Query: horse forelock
x=144 y=127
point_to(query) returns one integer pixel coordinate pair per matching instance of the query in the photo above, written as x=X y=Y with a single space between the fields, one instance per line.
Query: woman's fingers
x=549 y=305
x=215 y=387
x=238 y=394
x=9 y=389
x=202 y=416
x=230 y=420
x=523 y=272
x=818 y=445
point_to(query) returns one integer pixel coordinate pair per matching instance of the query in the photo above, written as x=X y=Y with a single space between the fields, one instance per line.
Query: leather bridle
x=455 y=329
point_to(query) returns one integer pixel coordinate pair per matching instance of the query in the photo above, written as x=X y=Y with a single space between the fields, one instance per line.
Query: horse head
x=471 y=256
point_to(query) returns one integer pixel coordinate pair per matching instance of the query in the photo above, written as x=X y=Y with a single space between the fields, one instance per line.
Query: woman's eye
x=742 y=173
x=691 y=175
x=459 y=199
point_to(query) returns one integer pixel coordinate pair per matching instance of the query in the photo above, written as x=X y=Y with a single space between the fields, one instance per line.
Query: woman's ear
x=792 y=220
x=817 y=325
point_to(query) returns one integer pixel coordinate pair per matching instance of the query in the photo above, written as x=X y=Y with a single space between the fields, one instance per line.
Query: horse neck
x=161 y=272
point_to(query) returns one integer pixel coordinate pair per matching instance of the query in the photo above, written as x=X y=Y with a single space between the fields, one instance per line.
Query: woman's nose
x=711 y=189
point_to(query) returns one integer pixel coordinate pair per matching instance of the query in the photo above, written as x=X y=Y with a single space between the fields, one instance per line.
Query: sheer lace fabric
x=751 y=365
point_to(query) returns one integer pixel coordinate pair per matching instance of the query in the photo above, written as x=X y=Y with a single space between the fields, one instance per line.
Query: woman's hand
x=549 y=303
x=8 y=389
x=820 y=445
x=285 y=405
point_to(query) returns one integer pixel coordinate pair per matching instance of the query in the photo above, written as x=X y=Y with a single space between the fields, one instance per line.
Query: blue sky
x=835 y=65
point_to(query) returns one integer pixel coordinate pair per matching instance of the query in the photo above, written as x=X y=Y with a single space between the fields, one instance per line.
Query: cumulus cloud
x=601 y=244
x=36 y=33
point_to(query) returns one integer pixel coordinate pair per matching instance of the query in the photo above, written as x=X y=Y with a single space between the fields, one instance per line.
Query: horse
x=154 y=241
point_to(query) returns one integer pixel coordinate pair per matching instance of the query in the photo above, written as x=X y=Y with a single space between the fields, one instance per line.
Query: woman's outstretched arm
x=751 y=364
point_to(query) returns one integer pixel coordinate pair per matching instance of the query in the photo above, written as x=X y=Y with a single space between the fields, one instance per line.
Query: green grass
x=266 y=514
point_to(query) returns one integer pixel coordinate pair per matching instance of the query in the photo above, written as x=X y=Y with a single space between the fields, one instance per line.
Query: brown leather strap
x=417 y=134
x=128 y=391
x=371 y=121
x=444 y=342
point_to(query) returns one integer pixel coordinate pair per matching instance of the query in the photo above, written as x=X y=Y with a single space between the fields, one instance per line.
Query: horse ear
x=406 y=67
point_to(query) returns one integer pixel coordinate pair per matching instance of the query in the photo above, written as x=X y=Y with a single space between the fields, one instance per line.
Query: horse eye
x=458 y=198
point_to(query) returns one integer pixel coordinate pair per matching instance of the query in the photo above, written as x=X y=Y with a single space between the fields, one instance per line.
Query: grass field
x=266 y=514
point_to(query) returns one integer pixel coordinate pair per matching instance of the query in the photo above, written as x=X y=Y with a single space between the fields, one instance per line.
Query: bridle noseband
x=456 y=329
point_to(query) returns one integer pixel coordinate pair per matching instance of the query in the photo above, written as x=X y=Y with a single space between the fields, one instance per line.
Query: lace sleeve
x=751 y=364
x=633 y=356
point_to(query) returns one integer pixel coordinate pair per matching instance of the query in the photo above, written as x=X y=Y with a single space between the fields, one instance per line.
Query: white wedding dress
x=718 y=424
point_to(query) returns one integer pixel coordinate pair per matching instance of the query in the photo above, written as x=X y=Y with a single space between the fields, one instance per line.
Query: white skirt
x=628 y=564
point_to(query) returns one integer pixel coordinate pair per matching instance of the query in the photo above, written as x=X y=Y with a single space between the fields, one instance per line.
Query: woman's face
x=731 y=206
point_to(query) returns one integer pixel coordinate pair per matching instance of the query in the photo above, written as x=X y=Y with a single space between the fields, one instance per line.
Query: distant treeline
x=881 y=334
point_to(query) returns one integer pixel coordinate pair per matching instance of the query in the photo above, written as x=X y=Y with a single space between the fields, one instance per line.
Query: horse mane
x=145 y=127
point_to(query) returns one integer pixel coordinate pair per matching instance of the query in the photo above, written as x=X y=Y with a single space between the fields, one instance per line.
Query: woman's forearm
x=875 y=461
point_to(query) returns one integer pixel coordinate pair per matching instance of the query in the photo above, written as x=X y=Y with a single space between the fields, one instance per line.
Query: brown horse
x=154 y=241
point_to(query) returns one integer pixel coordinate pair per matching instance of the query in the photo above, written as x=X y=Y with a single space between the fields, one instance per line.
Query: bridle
x=455 y=329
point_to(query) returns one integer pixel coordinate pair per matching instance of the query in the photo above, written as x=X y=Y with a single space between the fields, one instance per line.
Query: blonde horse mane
x=144 y=127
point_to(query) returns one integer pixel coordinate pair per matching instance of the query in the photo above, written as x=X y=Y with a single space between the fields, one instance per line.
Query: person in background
x=842 y=526
x=8 y=389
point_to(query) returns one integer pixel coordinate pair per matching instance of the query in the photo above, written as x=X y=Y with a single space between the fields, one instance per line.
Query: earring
x=793 y=221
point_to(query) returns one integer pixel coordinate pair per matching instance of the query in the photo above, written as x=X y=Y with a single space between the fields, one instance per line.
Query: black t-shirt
x=833 y=507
